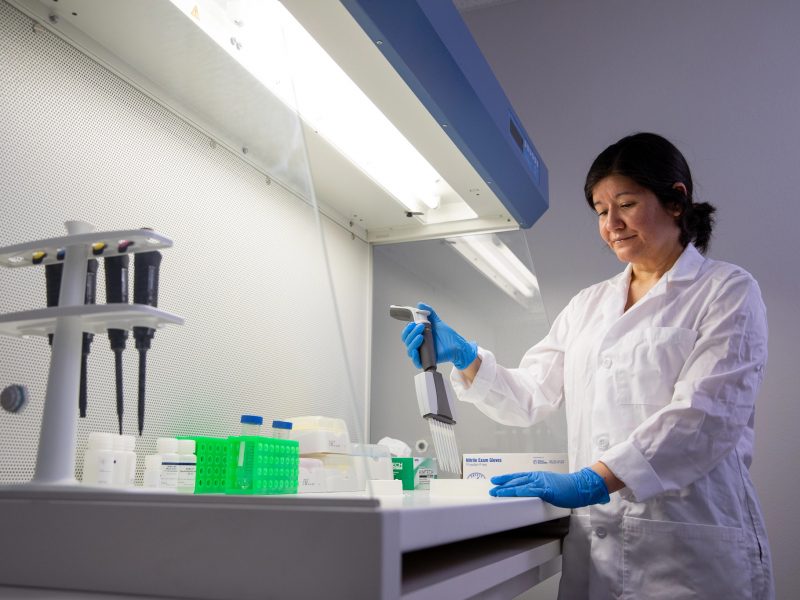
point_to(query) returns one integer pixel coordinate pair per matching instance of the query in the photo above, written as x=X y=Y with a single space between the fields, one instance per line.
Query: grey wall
x=720 y=78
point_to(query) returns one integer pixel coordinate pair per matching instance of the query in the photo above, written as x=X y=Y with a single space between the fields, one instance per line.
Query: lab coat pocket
x=648 y=362
x=665 y=559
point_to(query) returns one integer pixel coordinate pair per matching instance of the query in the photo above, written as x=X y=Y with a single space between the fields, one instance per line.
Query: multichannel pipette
x=117 y=292
x=433 y=396
x=145 y=291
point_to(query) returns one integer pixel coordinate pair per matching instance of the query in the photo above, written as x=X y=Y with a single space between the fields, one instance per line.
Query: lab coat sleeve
x=712 y=403
x=527 y=394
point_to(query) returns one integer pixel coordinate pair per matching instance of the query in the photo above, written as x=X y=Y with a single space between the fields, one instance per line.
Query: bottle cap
x=252 y=420
x=186 y=446
x=167 y=445
x=100 y=441
x=130 y=443
x=119 y=443
x=282 y=425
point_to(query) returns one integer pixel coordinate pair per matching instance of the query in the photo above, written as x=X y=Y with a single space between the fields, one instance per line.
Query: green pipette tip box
x=262 y=465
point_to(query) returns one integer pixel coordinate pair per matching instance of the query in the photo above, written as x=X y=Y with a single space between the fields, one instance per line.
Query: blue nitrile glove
x=450 y=347
x=572 y=490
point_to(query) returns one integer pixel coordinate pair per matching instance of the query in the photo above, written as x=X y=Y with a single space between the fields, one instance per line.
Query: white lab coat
x=664 y=395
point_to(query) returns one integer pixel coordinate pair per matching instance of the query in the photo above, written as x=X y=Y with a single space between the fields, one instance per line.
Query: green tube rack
x=262 y=465
x=212 y=463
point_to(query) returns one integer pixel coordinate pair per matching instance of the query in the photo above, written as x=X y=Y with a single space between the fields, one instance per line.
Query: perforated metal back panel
x=246 y=271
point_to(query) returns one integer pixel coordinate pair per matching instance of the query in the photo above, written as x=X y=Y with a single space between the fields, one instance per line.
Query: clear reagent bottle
x=251 y=424
x=282 y=430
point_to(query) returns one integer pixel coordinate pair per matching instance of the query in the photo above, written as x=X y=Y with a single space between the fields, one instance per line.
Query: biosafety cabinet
x=310 y=163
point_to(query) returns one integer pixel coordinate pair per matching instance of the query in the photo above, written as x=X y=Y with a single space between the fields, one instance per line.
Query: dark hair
x=657 y=165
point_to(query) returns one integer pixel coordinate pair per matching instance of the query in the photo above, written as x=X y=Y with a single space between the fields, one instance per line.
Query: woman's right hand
x=450 y=346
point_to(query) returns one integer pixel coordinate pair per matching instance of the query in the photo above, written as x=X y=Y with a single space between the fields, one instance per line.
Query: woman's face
x=634 y=223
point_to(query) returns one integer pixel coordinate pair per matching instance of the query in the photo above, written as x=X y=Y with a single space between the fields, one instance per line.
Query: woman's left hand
x=573 y=490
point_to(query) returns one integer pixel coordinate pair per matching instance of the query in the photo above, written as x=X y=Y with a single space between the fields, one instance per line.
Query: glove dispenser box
x=486 y=466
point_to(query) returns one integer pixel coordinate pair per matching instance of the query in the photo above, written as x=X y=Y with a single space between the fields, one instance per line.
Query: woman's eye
x=602 y=213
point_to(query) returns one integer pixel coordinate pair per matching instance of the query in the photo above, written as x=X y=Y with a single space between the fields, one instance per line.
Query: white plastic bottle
x=187 y=466
x=120 y=476
x=152 y=471
x=98 y=460
x=168 y=450
x=130 y=449
x=124 y=461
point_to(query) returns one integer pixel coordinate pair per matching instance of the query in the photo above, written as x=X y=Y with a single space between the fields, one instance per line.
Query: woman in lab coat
x=658 y=368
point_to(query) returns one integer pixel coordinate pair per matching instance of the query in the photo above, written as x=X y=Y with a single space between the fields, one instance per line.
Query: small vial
x=187 y=466
x=282 y=430
x=168 y=450
x=251 y=424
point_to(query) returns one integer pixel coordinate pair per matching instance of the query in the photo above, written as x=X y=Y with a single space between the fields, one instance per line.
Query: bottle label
x=169 y=475
x=105 y=468
x=187 y=473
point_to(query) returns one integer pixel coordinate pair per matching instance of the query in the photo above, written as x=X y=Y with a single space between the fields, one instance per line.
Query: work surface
x=210 y=546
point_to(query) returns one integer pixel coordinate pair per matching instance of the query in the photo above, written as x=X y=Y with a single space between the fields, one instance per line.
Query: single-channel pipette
x=116 y=268
x=145 y=291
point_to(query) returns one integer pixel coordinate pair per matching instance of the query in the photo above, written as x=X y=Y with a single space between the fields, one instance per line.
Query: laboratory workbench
x=413 y=546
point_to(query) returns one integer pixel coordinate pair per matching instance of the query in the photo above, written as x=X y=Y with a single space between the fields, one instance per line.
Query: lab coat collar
x=685 y=268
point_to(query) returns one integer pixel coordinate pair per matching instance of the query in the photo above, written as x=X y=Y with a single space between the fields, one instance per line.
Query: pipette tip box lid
x=317 y=434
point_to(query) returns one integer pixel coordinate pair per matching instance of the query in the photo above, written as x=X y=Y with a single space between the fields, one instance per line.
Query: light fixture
x=489 y=255
x=267 y=40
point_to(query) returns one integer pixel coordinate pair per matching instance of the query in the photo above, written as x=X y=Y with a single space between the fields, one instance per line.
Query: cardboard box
x=415 y=473
x=486 y=466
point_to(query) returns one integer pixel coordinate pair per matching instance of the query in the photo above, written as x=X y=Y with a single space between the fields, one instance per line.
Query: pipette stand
x=55 y=460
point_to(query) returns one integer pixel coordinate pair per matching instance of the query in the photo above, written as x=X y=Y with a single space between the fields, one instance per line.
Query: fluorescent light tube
x=489 y=255
x=266 y=39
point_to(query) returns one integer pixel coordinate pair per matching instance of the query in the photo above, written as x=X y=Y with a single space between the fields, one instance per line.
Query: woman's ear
x=677 y=209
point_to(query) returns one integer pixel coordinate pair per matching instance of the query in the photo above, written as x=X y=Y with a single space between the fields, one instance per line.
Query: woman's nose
x=613 y=221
